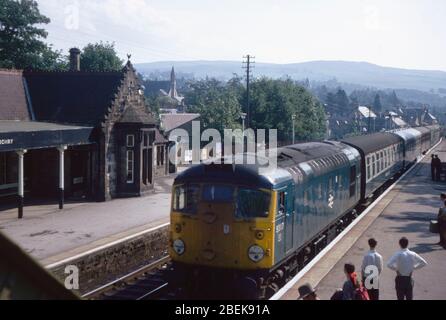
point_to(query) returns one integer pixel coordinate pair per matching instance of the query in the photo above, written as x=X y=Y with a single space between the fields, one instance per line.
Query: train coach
x=382 y=157
x=245 y=230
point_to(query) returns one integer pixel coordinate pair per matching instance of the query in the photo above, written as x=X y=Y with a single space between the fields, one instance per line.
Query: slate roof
x=72 y=97
x=13 y=103
x=159 y=138
x=135 y=115
x=155 y=88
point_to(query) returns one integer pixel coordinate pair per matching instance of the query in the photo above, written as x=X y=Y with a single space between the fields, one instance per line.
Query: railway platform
x=405 y=210
x=50 y=235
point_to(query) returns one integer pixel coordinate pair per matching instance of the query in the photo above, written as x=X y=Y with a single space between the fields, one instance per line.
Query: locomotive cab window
x=281 y=205
x=218 y=193
x=252 y=204
x=186 y=198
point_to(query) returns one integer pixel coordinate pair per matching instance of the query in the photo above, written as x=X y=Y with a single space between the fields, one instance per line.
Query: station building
x=77 y=134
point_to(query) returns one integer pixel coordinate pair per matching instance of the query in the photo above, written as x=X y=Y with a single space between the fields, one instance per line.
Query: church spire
x=173 y=84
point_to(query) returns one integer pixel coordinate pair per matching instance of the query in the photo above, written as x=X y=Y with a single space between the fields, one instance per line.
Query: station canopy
x=24 y=135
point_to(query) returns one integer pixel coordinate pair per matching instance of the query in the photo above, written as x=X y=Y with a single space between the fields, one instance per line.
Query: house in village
x=167 y=93
x=184 y=122
x=77 y=133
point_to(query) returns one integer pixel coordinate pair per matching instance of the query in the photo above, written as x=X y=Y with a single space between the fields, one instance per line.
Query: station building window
x=130 y=140
x=130 y=166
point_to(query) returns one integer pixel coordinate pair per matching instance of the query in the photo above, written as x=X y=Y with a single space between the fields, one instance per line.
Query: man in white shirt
x=404 y=262
x=372 y=266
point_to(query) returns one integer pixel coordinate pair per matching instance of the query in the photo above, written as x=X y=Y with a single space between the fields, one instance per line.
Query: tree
x=273 y=104
x=216 y=102
x=377 y=106
x=342 y=101
x=100 y=57
x=21 y=37
x=393 y=100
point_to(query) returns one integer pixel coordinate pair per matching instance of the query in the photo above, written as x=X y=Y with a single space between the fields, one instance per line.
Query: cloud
x=105 y=17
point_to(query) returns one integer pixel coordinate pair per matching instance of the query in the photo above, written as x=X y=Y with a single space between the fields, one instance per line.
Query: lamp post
x=293 y=117
x=243 y=116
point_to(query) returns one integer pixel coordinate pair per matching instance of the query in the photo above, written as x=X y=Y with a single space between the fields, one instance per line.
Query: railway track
x=148 y=282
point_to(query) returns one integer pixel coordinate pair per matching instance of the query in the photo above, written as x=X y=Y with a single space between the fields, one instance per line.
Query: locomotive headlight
x=179 y=247
x=256 y=253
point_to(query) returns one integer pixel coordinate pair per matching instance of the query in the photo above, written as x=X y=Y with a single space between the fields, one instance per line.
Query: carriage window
x=378 y=163
x=382 y=161
x=368 y=168
x=306 y=198
x=319 y=191
x=352 y=181
x=218 y=193
x=252 y=203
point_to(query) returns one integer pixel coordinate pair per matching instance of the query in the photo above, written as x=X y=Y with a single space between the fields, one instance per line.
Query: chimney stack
x=75 y=59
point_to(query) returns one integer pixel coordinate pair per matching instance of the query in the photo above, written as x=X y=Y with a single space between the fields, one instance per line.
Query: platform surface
x=50 y=234
x=404 y=211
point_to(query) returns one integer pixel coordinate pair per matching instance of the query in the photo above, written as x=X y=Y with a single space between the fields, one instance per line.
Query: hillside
x=361 y=73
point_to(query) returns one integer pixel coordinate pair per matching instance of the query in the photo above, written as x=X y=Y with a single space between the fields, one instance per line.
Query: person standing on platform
x=441 y=220
x=437 y=164
x=433 y=173
x=405 y=262
x=372 y=266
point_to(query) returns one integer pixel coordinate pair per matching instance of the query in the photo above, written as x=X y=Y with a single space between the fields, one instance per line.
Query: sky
x=397 y=33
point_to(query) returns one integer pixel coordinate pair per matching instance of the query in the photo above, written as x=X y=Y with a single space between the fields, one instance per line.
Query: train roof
x=249 y=170
x=423 y=130
x=308 y=151
x=409 y=134
x=372 y=142
x=296 y=162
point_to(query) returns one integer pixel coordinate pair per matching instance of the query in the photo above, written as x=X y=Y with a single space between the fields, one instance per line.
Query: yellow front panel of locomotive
x=223 y=243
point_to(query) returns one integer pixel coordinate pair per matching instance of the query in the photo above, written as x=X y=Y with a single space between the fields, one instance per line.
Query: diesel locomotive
x=247 y=231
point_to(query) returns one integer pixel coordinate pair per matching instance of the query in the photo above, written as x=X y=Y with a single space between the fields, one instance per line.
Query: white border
x=105 y=246
x=316 y=259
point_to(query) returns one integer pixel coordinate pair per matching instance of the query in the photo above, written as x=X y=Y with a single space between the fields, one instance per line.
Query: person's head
x=306 y=292
x=372 y=243
x=433 y=156
x=404 y=243
x=443 y=196
x=349 y=268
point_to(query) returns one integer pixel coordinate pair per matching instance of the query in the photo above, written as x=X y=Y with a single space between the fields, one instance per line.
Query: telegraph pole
x=248 y=63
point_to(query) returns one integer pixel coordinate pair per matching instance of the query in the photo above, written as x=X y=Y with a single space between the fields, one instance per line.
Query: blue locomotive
x=252 y=230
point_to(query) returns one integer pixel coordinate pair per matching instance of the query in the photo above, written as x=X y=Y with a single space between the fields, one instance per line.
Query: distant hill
x=361 y=73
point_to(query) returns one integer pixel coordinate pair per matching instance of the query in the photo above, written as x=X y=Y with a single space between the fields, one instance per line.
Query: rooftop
x=175 y=120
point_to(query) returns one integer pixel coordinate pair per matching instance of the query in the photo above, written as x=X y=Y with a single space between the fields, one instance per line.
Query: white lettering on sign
x=331 y=201
x=78 y=180
x=6 y=141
